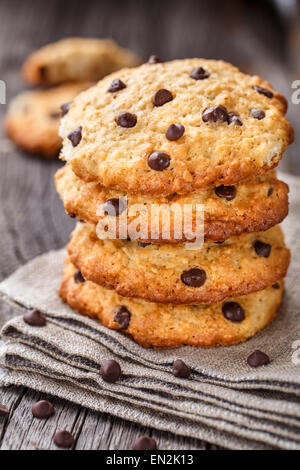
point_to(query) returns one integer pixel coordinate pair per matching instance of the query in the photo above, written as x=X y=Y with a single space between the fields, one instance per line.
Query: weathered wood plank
x=32 y=220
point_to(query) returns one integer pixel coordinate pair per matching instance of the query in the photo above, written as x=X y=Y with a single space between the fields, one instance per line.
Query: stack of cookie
x=191 y=133
x=68 y=66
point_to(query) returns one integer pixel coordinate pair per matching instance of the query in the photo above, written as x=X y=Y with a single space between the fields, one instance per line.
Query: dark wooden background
x=251 y=34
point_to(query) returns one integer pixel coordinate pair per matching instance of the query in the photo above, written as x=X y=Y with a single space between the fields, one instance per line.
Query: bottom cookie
x=168 y=326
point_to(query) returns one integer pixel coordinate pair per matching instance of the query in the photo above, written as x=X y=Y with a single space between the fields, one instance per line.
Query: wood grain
x=32 y=220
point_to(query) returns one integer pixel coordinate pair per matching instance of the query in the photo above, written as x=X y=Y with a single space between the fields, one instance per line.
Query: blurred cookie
x=176 y=274
x=175 y=127
x=33 y=118
x=227 y=209
x=167 y=326
x=76 y=59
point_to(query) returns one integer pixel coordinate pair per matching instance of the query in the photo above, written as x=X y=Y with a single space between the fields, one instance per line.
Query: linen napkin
x=225 y=402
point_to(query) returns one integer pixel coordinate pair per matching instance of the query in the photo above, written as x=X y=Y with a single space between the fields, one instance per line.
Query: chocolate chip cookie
x=176 y=127
x=177 y=275
x=33 y=118
x=227 y=211
x=166 y=326
x=76 y=59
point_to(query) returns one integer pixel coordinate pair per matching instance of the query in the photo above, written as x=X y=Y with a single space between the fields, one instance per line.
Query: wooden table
x=32 y=220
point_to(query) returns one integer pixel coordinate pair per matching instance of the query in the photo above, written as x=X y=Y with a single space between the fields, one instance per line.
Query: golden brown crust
x=207 y=153
x=75 y=59
x=33 y=118
x=154 y=273
x=222 y=218
x=169 y=326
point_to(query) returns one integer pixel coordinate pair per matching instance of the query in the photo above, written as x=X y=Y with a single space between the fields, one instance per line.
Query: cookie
x=169 y=326
x=171 y=128
x=176 y=274
x=76 y=59
x=227 y=210
x=32 y=121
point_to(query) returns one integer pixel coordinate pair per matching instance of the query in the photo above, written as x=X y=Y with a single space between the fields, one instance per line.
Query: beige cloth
x=224 y=402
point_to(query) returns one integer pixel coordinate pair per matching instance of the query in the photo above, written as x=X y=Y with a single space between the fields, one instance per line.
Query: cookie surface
x=177 y=275
x=167 y=326
x=224 y=217
x=33 y=118
x=166 y=132
x=76 y=59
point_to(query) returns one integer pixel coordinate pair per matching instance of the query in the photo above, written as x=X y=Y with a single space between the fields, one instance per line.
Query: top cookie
x=175 y=127
x=75 y=59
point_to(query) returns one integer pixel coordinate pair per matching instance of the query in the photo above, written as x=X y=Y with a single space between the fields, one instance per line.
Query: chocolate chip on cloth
x=34 y=318
x=180 y=369
x=215 y=149
x=42 y=409
x=258 y=358
x=63 y=439
x=168 y=325
x=176 y=275
x=144 y=443
x=122 y=317
x=110 y=371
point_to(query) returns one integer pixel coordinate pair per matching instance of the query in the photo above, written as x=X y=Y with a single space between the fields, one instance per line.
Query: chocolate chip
x=34 y=318
x=114 y=207
x=63 y=439
x=258 y=358
x=110 y=371
x=180 y=369
x=126 y=120
x=65 y=108
x=258 y=113
x=122 y=317
x=221 y=242
x=143 y=244
x=276 y=286
x=75 y=136
x=78 y=277
x=3 y=410
x=226 y=192
x=194 y=277
x=72 y=215
x=262 y=249
x=144 y=443
x=199 y=74
x=54 y=115
x=116 y=85
x=233 y=312
x=270 y=191
x=159 y=161
x=162 y=97
x=43 y=70
x=215 y=114
x=154 y=59
x=263 y=91
x=234 y=118
x=42 y=409
x=175 y=131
